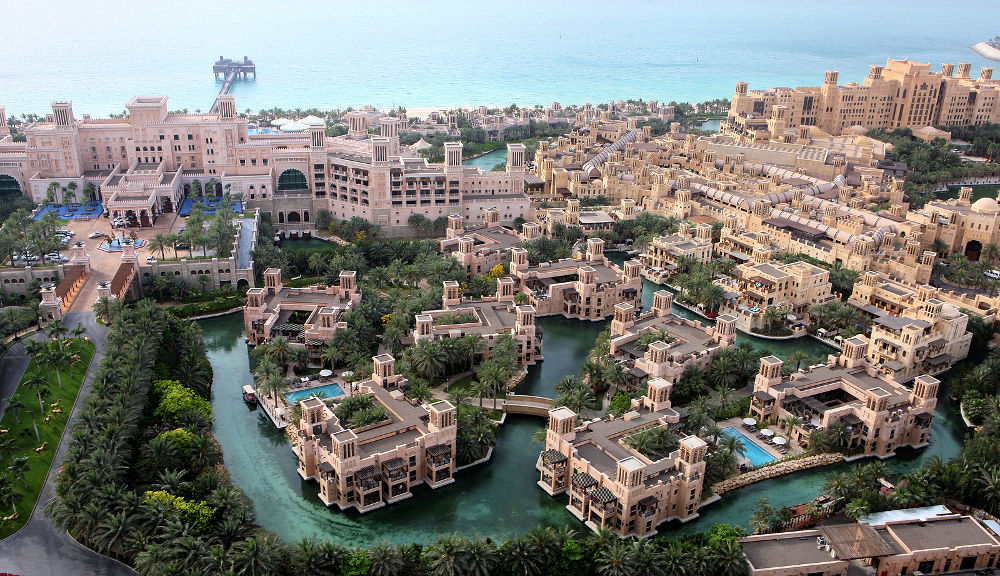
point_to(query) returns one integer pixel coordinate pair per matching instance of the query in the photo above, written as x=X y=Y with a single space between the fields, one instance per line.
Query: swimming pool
x=326 y=391
x=754 y=453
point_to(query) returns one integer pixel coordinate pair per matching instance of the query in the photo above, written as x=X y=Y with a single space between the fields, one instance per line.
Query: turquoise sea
x=455 y=52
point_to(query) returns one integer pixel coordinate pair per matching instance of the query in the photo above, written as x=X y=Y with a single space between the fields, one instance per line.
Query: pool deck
x=737 y=424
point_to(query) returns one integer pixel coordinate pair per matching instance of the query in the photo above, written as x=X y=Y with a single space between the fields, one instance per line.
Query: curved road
x=40 y=548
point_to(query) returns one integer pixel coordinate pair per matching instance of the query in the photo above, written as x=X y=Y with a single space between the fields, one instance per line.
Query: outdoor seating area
x=778 y=443
x=75 y=211
x=208 y=205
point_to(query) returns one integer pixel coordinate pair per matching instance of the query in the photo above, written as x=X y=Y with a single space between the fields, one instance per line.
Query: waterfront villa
x=611 y=485
x=587 y=287
x=754 y=287
x=660 y=257
x=376 y=464
x=931 y=540
x=309 y=316
x=685 y=343
x=487 y=317
x=877 y=294
x=880 y=413
x=925 y=339
x=480 y=248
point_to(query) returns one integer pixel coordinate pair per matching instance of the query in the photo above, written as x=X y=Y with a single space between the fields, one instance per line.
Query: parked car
x=181 y=246
x=992 y=274
x=150 y=258
x=66 y=232
x=93 y=235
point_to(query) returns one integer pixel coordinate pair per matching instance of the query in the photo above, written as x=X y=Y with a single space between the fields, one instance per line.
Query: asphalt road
x=40 y=548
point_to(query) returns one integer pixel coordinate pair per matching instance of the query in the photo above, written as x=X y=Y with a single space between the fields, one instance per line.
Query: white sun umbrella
x=750 y=421
x=312 y=120
x=767 y=432
x=294 y=127
x=325 y=373
x=280 y=121
x=780 y=441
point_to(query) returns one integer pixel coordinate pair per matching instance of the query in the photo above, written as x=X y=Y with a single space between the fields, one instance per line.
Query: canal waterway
x=487 y=161
x=497 y=499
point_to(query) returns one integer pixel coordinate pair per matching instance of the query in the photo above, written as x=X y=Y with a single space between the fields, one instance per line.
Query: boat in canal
x=249 y=395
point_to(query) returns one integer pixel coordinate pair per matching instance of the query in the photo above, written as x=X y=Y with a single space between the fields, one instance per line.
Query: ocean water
x=455 y=52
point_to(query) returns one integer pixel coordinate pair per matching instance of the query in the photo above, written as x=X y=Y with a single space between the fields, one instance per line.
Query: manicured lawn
x=23 y=433
x=464 y=384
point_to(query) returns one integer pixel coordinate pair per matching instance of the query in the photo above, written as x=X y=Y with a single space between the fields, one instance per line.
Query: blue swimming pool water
x=754 y=453
x=329 y=391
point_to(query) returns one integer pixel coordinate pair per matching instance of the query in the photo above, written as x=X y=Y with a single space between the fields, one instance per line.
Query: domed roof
x=986 y=206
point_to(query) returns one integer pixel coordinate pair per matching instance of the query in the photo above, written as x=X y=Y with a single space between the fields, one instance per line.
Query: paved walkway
x=40 y=548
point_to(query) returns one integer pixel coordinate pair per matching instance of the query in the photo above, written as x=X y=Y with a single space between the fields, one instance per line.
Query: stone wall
x=775 y=470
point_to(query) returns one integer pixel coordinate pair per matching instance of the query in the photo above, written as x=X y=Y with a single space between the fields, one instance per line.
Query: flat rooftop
x=793 y=549
x=942 y=533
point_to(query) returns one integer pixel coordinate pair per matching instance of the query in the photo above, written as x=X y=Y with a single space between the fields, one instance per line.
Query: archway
x=9 y=188
x=293 y=218
x=242 y=286
x=144 y=219
x=973 y=249
x=292 y=181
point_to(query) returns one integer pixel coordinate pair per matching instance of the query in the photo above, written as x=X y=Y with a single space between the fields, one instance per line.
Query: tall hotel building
x=143 y=165
x=901 y=94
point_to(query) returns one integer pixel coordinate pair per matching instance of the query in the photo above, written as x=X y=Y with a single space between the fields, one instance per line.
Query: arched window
x=292 y=180
x=9 y=188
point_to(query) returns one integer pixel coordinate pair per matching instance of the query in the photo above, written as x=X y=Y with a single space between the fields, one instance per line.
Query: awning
x=583 y=480
x=603 y=495
x=553 y=456
x=366 y=473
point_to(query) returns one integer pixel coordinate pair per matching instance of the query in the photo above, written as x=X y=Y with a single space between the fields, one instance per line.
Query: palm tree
x=525 y=557
x=332 y=353
x=733 y=444
x=257 y=556
x=613 y=560
x=419 y=392
x=447 y=556
x=15 y=405
x=797 y=357
x=723 y=372
x=57 y=331
x=385 y=560
x=473 y=346
x=481 y=389
x=299 y=358
x=317 y=263
x=19 y=467
x=989 y=484
x=160 y=242
x=790 y=421
x=36 y=382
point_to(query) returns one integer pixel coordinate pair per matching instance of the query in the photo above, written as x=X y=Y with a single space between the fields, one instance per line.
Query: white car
x=992 y=274
x=93 y=235
x=66 y=232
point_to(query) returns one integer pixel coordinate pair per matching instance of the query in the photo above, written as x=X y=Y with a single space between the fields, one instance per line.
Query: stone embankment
x=775 y=470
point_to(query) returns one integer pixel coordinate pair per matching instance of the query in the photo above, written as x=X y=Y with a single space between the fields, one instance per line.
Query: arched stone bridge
x=530 y=405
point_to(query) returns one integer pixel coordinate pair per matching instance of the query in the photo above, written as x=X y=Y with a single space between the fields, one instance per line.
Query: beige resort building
x=925 y=339
x=613 y=486
x=881 y=413
x=480 y=248
x=691 y=343
x=492 y=317
x=368 y=468
x=929 y=540
x=754 y=287
x=660 y=257
x=308 y=316
x=142 y=165
x=587 y=287
x=877 y=294
x=901 y=94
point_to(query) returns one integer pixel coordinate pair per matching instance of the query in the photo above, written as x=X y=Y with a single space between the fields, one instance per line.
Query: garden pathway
x=40 y=548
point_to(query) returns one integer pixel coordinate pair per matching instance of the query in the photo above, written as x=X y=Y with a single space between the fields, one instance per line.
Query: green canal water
x=497 y=499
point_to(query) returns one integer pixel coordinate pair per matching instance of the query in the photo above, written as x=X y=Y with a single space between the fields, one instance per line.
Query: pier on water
x=229 y=70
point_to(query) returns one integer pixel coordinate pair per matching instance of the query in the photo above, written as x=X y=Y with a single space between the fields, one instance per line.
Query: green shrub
x=620 y=404
x=175 y=400
x=183 y=440
x=197 y=513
